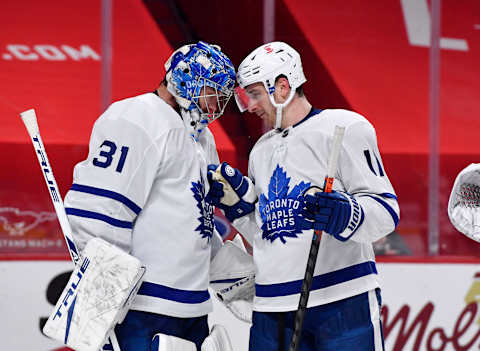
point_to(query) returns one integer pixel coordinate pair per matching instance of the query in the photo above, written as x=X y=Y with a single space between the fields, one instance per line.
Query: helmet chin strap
x=279 y=108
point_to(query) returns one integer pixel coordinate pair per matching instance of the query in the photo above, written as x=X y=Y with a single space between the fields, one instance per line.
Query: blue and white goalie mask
x=201 y=78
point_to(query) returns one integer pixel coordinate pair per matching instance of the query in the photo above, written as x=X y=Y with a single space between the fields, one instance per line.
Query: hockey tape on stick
x=30 y=120
x=312 y=256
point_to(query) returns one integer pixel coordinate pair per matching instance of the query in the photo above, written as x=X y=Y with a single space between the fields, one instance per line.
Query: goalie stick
x=29 y=118
x=312 y=256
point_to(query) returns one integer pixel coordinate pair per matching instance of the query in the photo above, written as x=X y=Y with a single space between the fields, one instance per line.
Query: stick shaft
x=312 y=255
x=30 y=120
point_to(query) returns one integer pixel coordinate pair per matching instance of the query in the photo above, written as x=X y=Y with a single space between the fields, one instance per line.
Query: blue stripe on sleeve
x=319 y=282
x=107 y=193
x=388 y=196
x=167 y=293
x=387 y=206
x=94 y=215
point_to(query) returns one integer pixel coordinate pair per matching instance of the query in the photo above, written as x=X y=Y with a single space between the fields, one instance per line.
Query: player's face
x=260 y=104
x=208 y=100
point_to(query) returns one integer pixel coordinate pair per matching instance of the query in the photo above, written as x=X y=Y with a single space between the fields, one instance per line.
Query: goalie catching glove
x=230 y=191
x=464 y=202
x=232 y=276
x=335 y=213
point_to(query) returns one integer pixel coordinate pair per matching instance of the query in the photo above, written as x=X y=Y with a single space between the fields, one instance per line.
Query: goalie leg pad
x=218 y=340
x=163 y=342
x=99 y=291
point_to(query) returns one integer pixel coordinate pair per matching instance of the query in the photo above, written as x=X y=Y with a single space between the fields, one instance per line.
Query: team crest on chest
x=206 y=225
x=280 y=210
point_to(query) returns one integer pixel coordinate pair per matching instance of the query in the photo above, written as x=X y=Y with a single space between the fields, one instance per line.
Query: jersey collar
x=313 y=111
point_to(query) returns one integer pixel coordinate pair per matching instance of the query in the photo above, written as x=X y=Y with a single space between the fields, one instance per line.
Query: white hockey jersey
x=283 y=165
x=142 y=188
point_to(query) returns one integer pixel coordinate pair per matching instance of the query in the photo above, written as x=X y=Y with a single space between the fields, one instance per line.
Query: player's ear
x=282 y=89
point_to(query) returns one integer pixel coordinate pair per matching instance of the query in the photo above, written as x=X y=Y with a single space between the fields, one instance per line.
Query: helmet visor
x=241 y=98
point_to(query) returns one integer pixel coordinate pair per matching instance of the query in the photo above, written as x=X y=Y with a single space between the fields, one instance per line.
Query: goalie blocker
x=96 y=298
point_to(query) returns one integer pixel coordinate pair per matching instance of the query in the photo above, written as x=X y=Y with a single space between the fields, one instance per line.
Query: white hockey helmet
x=265 y=64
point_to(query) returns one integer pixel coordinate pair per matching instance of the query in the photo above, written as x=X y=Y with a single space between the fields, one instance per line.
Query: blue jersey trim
x=94 y=215
x=313 y=111
x=388 y=196
x=172 y=294
x=107 y=193
x=319 y=282
x=387 y=207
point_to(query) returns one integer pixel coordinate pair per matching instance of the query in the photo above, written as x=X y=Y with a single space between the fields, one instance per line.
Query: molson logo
x=464 y=336
x=23 y=52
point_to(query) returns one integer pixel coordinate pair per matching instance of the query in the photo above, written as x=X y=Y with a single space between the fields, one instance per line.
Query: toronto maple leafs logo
x=280 y=211
x=206 y=210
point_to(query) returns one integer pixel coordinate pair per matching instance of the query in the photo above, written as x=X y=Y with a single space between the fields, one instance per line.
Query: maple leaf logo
x=280 y=211
x=206 y=210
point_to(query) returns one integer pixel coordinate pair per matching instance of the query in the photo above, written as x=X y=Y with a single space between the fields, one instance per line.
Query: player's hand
x=230 y=191
x=335 y=213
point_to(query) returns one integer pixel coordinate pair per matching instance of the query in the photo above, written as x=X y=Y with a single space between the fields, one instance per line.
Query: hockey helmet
x=265 y=64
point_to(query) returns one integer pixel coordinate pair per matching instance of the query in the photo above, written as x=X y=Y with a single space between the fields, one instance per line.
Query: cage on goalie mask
x=194 y=68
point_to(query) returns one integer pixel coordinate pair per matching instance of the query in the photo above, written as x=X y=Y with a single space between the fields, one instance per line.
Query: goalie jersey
x=142 y=188
x=283 y=164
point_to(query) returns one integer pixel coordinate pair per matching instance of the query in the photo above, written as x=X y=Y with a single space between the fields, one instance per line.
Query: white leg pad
x=218 y=340
x=162 y=342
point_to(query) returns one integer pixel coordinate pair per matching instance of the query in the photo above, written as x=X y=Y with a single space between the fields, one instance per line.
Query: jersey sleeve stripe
x=177 y=295
x=388 y=196
x=95 y=215
x=107 y=193
x=319 y=282
x=387 y=207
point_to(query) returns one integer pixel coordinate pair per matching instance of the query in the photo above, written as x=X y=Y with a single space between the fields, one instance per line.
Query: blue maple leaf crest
x=280 y=211
x=206 y=210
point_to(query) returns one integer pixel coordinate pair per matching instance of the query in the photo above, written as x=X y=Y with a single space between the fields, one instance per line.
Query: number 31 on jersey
x=107 y=151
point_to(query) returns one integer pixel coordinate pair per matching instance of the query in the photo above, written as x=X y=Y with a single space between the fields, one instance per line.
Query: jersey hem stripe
x=107 y=193
x=178 y=295
x=319 y=282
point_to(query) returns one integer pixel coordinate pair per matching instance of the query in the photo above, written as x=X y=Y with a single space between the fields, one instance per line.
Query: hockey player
x=142 y=188
x=270 y=209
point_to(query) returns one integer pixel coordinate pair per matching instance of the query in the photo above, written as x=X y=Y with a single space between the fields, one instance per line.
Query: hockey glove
x=230 y=191
x=335 y=213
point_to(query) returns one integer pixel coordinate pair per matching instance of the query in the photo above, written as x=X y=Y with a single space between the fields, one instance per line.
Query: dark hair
x=164 y=81
x=299 y=90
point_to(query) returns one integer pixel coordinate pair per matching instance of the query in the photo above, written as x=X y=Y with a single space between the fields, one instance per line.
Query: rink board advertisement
x=427 y=306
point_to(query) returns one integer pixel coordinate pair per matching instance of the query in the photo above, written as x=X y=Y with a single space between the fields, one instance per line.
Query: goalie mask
x=200 y=74
x=265 y=64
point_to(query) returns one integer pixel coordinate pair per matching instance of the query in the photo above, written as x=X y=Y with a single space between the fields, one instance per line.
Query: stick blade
x=29 y=118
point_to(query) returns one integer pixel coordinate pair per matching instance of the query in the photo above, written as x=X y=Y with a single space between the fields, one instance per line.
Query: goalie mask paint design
x=280 y=211
x=206 y=219
x=194 y=67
